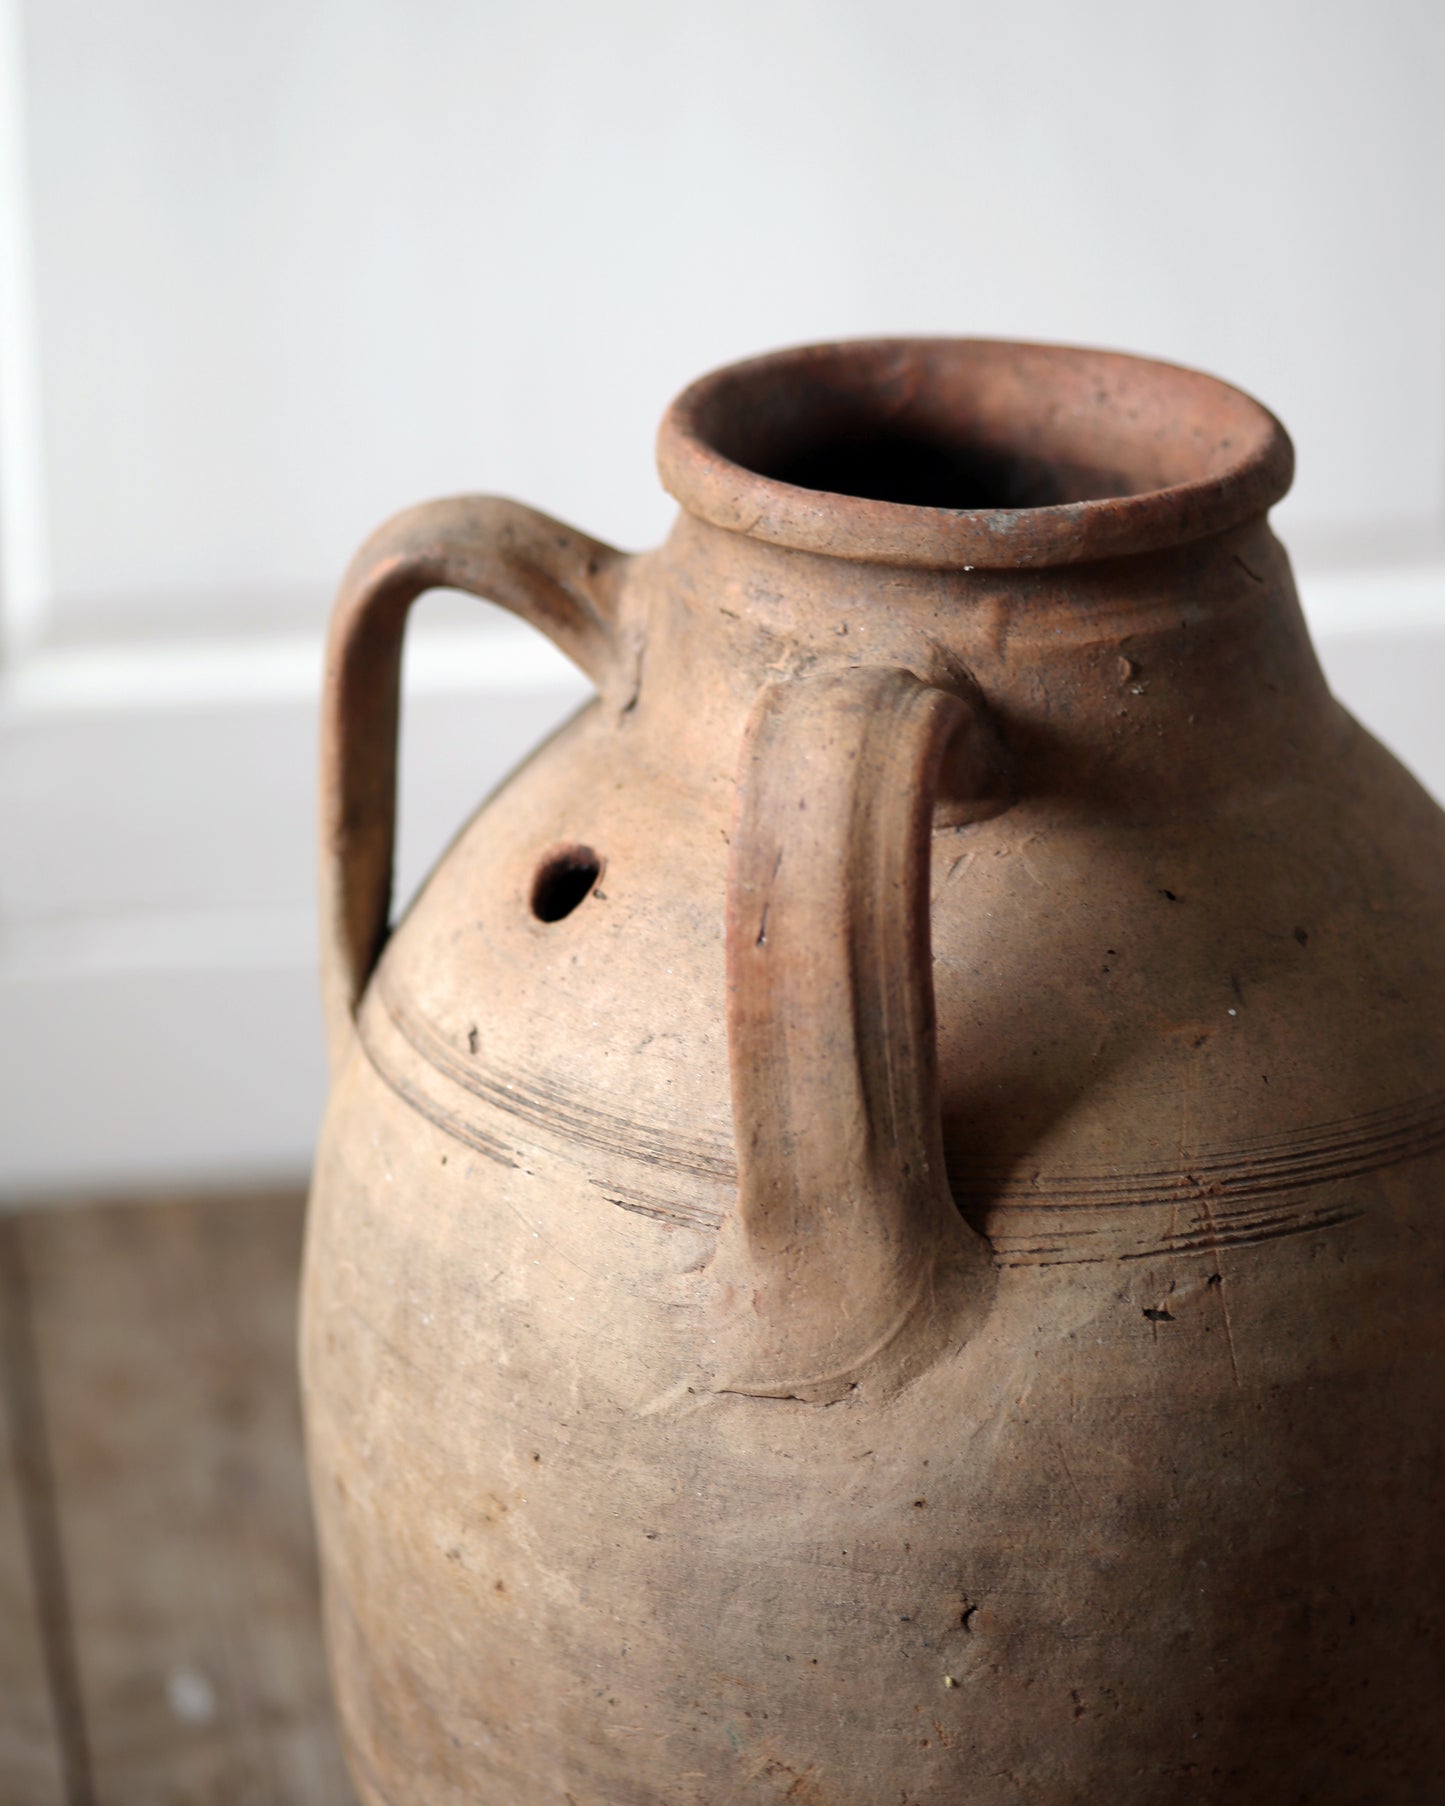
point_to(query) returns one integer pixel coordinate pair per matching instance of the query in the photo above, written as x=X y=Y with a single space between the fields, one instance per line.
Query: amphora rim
x=970 y=453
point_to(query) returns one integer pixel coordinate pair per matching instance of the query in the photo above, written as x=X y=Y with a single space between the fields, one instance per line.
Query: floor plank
x=32 y=1770
x=165 y=1336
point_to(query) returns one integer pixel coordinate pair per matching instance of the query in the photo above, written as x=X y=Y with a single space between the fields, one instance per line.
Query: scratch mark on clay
x=1069 y=1472
x=1211 y=1226
x=682 y=1397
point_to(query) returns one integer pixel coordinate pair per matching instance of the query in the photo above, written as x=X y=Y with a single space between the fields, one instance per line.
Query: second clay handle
x=846 y=1236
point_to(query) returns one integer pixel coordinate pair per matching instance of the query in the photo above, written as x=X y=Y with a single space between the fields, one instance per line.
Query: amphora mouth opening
x=948 y=452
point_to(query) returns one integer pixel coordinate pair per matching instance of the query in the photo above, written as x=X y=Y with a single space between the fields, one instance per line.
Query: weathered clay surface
x=753 y=1354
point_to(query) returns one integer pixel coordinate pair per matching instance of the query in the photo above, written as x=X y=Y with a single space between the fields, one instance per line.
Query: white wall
x=268 y=272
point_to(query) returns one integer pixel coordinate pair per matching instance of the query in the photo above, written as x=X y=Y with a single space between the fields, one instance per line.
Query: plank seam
x=35 y=1476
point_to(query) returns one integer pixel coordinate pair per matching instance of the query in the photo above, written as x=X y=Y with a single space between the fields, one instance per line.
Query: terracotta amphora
x=877 y=1239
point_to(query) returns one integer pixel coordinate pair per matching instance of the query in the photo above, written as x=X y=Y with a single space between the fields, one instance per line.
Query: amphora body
x=877 y=1239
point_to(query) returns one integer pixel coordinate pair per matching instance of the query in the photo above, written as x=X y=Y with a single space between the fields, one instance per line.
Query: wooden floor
x=159 y=1642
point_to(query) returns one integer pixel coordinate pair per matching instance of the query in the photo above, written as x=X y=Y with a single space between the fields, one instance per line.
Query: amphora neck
x=1077 y=536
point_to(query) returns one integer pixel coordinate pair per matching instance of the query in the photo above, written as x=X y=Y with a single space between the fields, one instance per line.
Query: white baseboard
x=157 y=974
x=161 y=1075
x=158 y=988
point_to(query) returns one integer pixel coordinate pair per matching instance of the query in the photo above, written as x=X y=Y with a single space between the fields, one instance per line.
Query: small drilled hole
x=563 y=880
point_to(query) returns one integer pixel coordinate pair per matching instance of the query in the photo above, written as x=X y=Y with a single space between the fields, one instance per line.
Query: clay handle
x=846 y=1237
x=549 y=574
